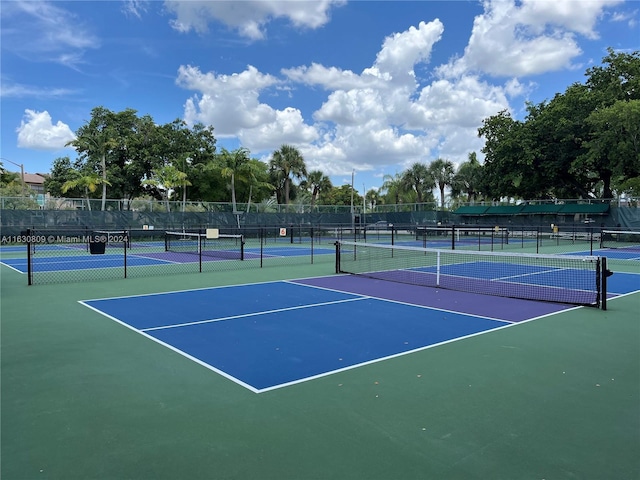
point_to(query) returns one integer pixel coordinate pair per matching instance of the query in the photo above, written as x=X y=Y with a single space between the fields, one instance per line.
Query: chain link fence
x=80 y=254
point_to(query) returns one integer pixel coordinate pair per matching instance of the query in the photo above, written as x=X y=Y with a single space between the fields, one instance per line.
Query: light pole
x=24 y=186
x=364 y=203
x=353 y=213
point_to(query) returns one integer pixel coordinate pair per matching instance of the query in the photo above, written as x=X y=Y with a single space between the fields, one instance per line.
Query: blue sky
x=358 y=86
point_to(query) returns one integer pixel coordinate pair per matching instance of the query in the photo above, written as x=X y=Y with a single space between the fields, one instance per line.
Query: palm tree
x=442 y=172
x=89 y=183
x=392 y=185
x=316 y=182
x=419 y=180
x=165 y=179
x=286 y=163
x=467 y=178
x=232 y=164
x=252 y=175
x=372 y=197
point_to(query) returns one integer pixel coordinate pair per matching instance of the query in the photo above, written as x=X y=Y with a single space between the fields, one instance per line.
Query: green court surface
x=84 y=397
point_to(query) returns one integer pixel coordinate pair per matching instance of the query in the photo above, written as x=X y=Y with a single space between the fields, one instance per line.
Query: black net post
x=311 y=235
x=200 y=248
x=126 y=239
x=263 y=232
x=29 y=259
x=605 y=272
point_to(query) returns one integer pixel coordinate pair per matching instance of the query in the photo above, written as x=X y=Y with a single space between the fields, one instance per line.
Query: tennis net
x=224 y=246
x=627 y=240
x=575 y=280
x=463 y=237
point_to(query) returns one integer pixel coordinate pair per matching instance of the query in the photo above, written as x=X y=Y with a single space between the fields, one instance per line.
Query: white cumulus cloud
x=248 y=17
x=228 y=102
x=38 y=132
x=529 y=37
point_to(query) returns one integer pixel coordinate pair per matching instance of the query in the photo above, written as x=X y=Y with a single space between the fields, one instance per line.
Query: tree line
x=583 y=143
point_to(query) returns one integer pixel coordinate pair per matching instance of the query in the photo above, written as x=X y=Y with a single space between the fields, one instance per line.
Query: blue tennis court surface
x=265 y=336
x=269 y=335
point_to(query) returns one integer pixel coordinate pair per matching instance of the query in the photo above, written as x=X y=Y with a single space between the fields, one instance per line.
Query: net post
x=29 y=259
x=263 y=232
x=453 y=237
x=241 y=247
x=337 y=244
x=311 y=232
x=200 y=240
x=124 y=247
x=603 y=283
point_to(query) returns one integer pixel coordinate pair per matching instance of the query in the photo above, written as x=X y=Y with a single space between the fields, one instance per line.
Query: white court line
x=244 y=315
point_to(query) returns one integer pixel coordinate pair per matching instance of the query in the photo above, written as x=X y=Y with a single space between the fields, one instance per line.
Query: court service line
x=543 y=272
x=265 y=312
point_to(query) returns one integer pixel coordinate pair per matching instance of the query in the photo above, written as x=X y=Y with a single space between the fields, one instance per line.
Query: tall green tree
x=61 y=172
x=134 y=158
x=419 y=180
x=613 y=148
x=579 y=144
x=286 y=164
x=316 y=183
x=95 y=141
x=372 y=198
x=505 y=164
x=393 y=189
x=9 y=178
x=467 y=179
x=231 y=165
x=174 y=148
x=256 y=176
x=442 y=172
x=206 y=182
x=342 y=196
